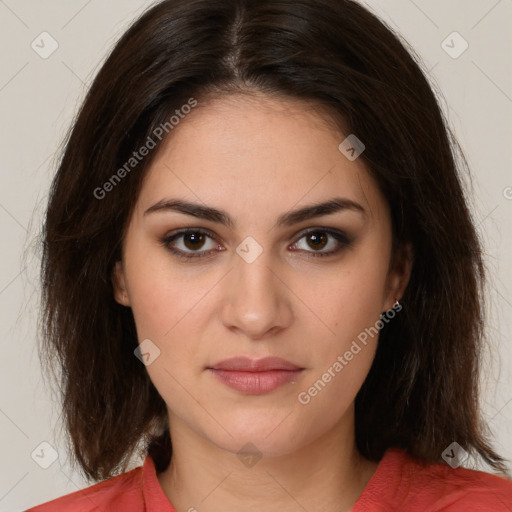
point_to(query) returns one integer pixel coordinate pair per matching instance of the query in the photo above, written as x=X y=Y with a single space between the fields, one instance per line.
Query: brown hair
x=421 y=393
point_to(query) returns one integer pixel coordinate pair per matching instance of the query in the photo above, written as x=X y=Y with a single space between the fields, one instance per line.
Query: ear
x=119 y=284
x=399 y=275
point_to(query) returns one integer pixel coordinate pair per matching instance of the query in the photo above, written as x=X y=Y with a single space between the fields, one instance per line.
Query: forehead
x=257 y=154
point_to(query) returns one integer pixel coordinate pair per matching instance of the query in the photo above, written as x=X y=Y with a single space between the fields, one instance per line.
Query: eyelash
x=337 y=235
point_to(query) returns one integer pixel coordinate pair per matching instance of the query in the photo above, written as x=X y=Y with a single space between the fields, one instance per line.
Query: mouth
x=255 y=377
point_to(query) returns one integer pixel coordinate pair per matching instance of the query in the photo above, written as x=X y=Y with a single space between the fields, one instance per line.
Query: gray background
x=38 y=99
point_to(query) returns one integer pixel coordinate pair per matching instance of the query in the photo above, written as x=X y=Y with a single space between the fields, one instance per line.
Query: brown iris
x=319 y=240
x=197 y=240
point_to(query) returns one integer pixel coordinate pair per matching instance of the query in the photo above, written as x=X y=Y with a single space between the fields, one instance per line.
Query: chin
x=267 y=437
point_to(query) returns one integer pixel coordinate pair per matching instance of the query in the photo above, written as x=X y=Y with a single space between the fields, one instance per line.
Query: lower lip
x=255 y=383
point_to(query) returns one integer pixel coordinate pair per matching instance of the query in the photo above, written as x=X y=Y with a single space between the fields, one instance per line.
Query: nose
x=256 y=302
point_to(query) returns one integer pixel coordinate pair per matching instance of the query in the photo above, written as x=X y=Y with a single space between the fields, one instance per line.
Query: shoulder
x=402 y=483
x=445 y=489
x=125 y=491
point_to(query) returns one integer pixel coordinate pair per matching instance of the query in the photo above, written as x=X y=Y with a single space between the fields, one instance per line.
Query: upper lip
x=255 y=365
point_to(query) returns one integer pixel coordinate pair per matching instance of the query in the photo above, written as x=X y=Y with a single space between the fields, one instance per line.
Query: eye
x=192 y=241
x=318 y=239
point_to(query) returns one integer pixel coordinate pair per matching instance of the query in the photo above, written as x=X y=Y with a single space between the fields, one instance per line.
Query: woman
x=261 y=274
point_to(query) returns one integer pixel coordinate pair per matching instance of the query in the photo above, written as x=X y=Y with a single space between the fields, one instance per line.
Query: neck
x=328 y=474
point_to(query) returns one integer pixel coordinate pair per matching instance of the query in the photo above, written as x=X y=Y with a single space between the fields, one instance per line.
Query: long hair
x=421 y=393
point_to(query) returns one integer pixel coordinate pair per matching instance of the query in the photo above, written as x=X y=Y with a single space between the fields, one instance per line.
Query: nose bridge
x=255 y=276
x=257 y=300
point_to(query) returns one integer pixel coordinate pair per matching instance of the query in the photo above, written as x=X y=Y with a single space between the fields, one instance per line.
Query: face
x=265 y=283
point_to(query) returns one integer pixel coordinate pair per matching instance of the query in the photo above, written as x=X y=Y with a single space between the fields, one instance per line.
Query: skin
x=257 y=157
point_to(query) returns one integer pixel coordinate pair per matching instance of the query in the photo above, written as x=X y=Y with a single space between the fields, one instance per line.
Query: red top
x=400 y=484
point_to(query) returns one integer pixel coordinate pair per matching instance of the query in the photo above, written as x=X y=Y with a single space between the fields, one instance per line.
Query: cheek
x=153 y=313
x=345 y=301
x=168 y=308
x=165 y=311
x=349 y=307
x=159 y=294
x=169 y=319
x=345 y=331
x=330 y=390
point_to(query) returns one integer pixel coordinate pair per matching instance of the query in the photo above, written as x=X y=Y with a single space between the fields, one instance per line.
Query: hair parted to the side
x=421 y=393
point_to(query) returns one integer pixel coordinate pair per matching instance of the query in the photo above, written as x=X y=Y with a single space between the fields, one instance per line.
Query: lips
x=244 y=364
x=255 y=377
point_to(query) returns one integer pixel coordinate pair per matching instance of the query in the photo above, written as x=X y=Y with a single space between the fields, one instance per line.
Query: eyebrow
x=311 y=211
